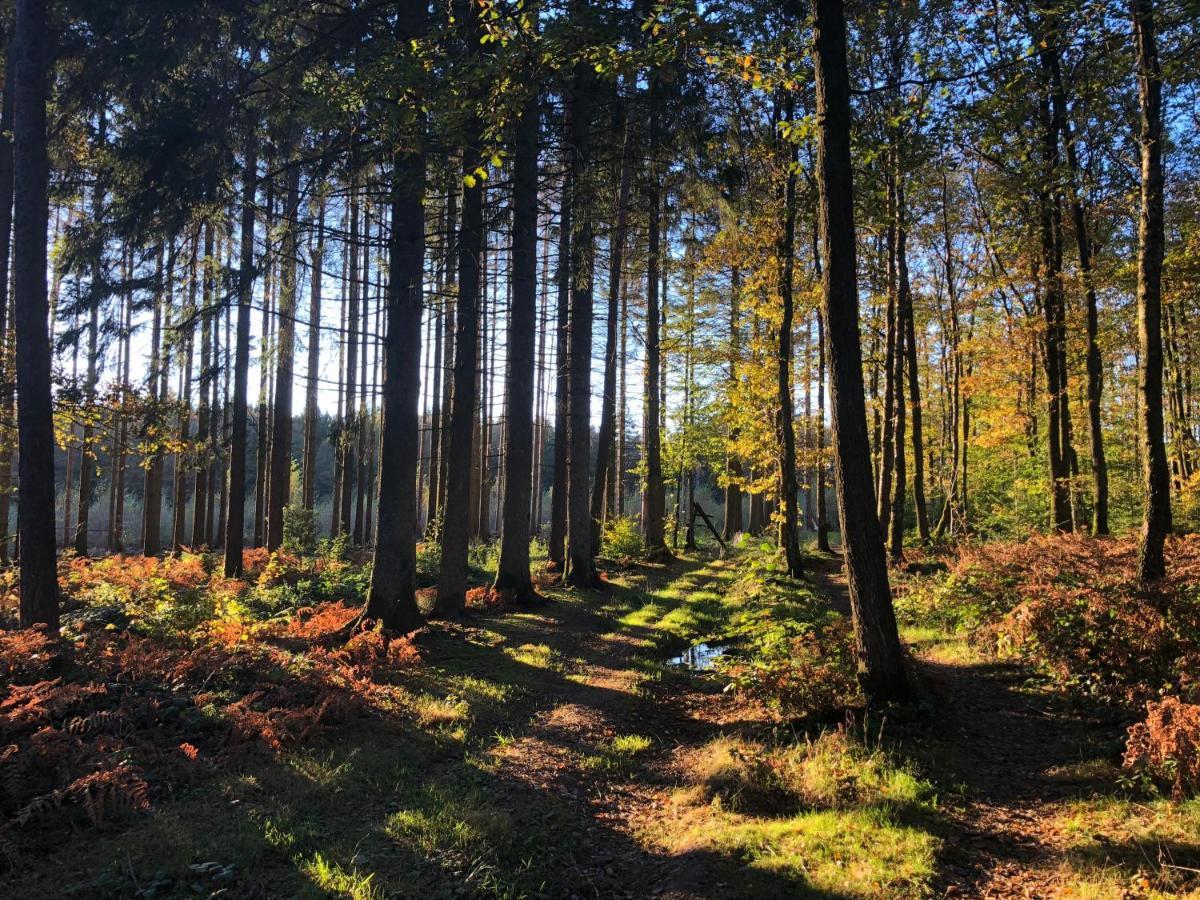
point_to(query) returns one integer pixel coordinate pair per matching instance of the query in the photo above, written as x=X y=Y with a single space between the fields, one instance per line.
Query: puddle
x=700 y=657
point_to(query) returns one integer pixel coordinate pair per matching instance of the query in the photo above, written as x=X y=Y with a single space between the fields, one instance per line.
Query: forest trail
x=1017 y=754
x=1004 y=752
x=1009 y=751
x=611 y=723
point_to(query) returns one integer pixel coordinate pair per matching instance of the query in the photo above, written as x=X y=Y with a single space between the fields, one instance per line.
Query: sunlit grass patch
x=1115 y=844
x=437 y=821
x=539 y=656
x=830 y=813
x=332 y=878
x=940 y=645
x=618 y=754
x=646 y=615
x=437 y=712
x=861 y=853
x=322 y=769
x=482 y=691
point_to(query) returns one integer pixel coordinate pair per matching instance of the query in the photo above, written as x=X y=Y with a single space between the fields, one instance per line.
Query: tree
x=881 y=663
x=789 y=537
x=606 y=437
x=31 y=214
x=452 y=574
x=235 y=517
x=392 y=599
x=580 y=569
x=654 y=500
x=1156 y=523
x=512 y=572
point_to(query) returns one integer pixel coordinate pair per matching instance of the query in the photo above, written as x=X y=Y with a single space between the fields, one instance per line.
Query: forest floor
x=561 y=751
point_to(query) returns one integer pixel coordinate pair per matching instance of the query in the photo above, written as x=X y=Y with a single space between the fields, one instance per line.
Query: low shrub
x=299 y=530
x=1165 y=746
x=621 y=539
x=787 y=646
x=1074 y=607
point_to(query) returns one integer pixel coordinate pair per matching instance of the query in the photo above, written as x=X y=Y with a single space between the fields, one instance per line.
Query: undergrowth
x=164 y=669
x=1074 y=608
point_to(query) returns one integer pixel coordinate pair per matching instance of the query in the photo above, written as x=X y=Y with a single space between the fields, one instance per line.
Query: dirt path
x=1011 y=752
x=1016 y=753
x=610 y=728
x=600 y=692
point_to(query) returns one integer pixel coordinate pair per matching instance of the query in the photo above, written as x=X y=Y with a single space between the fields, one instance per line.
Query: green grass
x=1115 y=844
x=618 y=755
x=830 y=814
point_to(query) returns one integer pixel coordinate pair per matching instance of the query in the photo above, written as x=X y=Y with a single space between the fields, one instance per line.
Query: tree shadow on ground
x=424 y=799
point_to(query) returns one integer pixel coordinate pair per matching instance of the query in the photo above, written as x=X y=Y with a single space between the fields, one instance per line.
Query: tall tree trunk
x=452 y=575
x=235 y=517
x=822 y=512
x=789 y=529
x=881 y=665
x=733 y=465
x=362 y=452
x=6 y=314
x=896 y=509
x=204 y=376
x=392 y=599
x=350 y=422
x=280 y=485
x=512 y=573
x=581 y=570
x=886 y=445
x=264 y=364
x=87 y=456
x=335 y=506
x=618 y=468
x=311 y=410
x=606 y=438
x=439 y=341
x=654 y=498
x=1054 y=309
x=116 y=542
x=153 y=483
x=556 y=551
x=1157 y=521
x=914 y=381
x=1095 y=371
x=182 y=458
x=35 y=426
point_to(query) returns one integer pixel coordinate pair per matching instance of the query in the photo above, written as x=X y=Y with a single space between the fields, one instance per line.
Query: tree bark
x=881 y=664
x=1157 y=520
x=350 y=423
x=452 y=576
x=654 y=499
x=279 y=487
x=733 y=466
x=235 y=517
x=392 y=599
x=606 y=437
x=182 y=461
x=512 y=574
x=35 y=426
x=153 y=483
x=6 y=313
x=204 y=376
x=581 y=570
x=556 y=551
x=311 y=410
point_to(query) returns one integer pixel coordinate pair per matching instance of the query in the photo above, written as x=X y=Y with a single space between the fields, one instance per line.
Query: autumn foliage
x=131 y=703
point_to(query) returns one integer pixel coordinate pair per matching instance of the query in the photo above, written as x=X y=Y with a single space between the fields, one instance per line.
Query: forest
x=600 y=448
